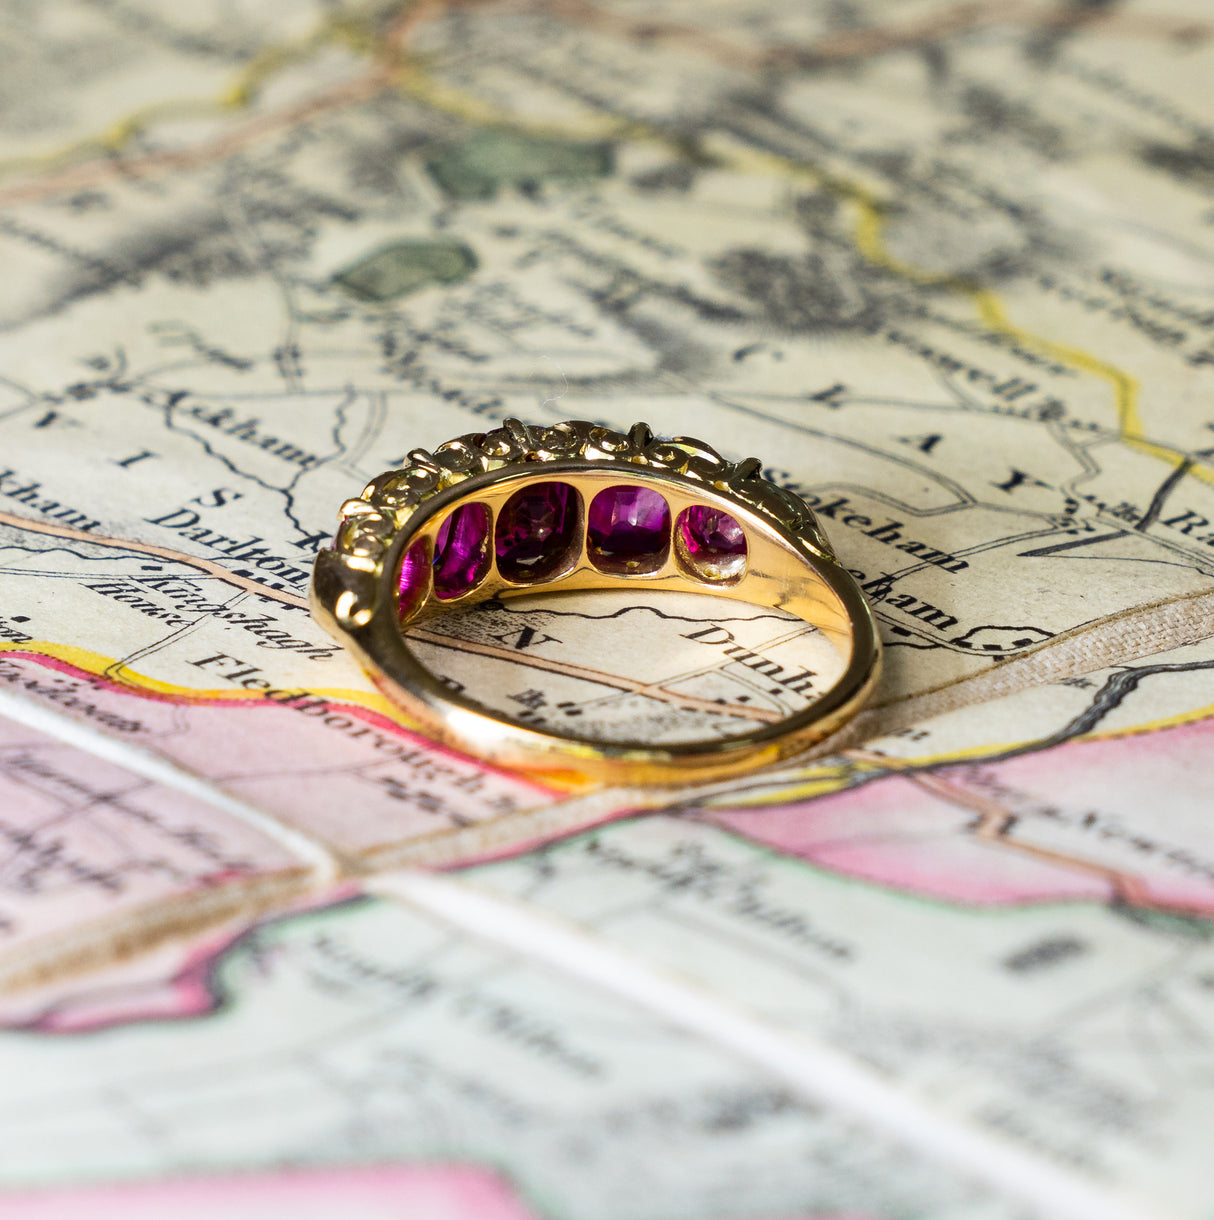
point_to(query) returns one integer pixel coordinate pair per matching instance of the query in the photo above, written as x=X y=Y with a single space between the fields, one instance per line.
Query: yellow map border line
x=372 y=702
x=869 y=237
x=351 y=29
x=1127 y=390
x=834 y=777
x=354 y=30
x=115 y=671
x=560 y=785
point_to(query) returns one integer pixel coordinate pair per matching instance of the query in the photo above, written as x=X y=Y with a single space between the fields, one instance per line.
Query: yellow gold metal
x=789 y=565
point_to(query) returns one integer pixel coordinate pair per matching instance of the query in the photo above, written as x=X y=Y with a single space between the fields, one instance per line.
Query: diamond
x=711 y=543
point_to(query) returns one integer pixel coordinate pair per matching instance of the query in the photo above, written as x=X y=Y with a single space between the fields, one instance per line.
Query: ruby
x=461 y=551
x=413 y=576
x=628 y=530
x=536 y=531
x=711 y=543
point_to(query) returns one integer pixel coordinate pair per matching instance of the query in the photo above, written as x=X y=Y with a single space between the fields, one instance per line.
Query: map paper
x=948 y=272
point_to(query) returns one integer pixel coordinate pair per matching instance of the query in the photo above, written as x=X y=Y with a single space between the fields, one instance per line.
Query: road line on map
x=361 y=88
x=861 y=43
x=995 y=825
x=648 y=689
x=514 y=834
x=813 y=1068
x=120 y=132
x=161 y=552
x=1116 y=639
x=109 y=940
x=325 y=865
x=88 y=173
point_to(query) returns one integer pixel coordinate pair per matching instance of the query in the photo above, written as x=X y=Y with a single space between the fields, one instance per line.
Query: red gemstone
x=536 y=532
x=461 y=551
x=628 y=530
x=711 y=542
x=413 y=576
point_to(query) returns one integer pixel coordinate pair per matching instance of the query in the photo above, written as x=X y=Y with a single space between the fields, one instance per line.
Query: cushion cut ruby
x=536 y=531
x=461 y=551
x=412 y=579
x=628 y=530
x=711 y=542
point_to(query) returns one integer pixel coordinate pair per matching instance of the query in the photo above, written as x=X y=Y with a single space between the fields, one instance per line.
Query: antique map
x=947 y=269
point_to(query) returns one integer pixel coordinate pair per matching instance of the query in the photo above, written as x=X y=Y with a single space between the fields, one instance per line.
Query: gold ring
x=576 y=506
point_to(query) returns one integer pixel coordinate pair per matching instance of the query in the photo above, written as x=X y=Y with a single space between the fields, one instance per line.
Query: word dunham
x=799 y=683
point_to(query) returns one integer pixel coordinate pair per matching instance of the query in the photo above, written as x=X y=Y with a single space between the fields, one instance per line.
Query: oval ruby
x=712 y=544
x=461 y=551
x=628 y=530
x=536 y=535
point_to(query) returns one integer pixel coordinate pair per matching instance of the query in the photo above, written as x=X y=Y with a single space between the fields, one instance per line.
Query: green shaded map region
x=479 y=166
x=405 y=266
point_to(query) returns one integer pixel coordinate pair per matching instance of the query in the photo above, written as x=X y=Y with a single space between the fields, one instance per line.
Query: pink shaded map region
x=1083 y=820
x=341 y=772
x=390 y=1192
x=172 y=982
x=453 y=1192
x=83 y=840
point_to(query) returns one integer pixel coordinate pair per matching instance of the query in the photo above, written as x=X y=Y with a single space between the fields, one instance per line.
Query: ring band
x=577 y=506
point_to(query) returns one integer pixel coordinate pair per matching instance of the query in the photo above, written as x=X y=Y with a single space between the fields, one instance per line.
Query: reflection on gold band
x=577 y=506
